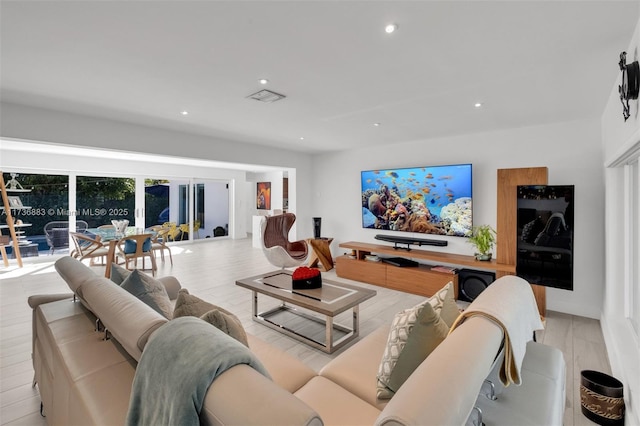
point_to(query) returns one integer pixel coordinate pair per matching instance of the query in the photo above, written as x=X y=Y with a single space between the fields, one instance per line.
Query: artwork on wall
x=263 y=196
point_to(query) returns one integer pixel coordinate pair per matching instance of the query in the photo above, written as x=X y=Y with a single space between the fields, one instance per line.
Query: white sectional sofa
x=84 y=379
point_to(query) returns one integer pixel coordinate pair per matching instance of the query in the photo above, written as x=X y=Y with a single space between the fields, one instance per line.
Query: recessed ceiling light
x=263 y=81
x=390 y=28
x=477 y=105
x=301 y=138
x=185 y=113
x=376 y=124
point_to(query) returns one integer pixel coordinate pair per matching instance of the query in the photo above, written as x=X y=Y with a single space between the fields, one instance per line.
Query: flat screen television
x=428 y=200
x=545 y=238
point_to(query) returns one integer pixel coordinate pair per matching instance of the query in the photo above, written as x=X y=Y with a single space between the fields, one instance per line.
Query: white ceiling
x=528 y=62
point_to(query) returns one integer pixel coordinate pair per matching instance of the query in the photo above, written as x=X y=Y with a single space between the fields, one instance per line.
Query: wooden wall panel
x=506 y=224
x=507 y=216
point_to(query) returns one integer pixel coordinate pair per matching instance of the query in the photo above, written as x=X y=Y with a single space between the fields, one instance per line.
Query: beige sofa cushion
x=356 y=368
x=242 y=396
x=285 y=370
x=108 y=387
x=335 y=405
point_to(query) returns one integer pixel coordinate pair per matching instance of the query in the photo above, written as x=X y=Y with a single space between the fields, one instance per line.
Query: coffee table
x=290 y=317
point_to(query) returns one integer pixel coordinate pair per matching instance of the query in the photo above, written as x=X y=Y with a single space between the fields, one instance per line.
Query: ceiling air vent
x=266 y=96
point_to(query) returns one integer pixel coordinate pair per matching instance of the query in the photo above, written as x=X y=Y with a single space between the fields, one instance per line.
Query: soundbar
x=409 y=241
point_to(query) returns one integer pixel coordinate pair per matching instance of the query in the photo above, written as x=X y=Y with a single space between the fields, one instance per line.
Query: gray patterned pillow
x=414 y=334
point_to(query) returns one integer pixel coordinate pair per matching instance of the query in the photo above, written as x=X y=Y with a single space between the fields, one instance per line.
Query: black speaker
x=317 y=223
x=471 y=283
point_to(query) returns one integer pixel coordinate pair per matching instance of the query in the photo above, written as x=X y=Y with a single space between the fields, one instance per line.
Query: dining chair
x=159 y=241
x=196 y=229
x=86 y=247
x=173 y=230
x=134 y=247
x=110 y=229
x=184 y=229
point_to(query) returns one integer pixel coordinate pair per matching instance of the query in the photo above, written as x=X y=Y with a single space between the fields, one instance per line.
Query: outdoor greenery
x=99 y=200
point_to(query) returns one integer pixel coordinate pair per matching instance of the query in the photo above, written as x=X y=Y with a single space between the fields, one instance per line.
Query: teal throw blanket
x=177 y=367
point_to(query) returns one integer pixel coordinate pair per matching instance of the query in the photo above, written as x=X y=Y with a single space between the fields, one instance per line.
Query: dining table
x=109 y=235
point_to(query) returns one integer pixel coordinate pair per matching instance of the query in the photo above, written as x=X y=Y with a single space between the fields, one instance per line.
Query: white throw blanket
x=510 y=303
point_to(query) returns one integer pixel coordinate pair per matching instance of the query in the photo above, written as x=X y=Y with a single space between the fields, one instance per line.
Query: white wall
x=623 y=345
x=572 y=152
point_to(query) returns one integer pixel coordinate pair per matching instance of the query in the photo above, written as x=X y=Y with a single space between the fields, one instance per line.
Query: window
x=627 y=213
x=632 y=174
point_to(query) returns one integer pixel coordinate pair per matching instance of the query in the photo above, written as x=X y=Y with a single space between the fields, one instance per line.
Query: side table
x=320 y=252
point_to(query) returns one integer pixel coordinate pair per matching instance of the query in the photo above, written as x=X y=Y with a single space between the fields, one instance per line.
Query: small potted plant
x=483 y=238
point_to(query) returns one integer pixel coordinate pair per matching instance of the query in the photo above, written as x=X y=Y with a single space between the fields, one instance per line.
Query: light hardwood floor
x=209 y=270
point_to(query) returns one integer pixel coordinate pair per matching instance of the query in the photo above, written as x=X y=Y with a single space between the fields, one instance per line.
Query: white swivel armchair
x=276 y=246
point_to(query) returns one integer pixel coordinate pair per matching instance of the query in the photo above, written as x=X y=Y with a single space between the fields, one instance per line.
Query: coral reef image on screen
x=429 y=200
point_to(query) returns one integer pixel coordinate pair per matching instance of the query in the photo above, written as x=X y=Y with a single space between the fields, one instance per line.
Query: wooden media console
x=419 y=280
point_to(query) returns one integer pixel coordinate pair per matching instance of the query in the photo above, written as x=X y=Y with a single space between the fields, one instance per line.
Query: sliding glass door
x=200 y=206
x=101 y=199
x=210 y=208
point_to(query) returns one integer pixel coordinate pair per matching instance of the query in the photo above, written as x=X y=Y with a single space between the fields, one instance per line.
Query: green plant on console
x=483 y=238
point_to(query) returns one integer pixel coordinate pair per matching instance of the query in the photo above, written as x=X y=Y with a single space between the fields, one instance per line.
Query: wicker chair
x=276 y=245
x=57 y=233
